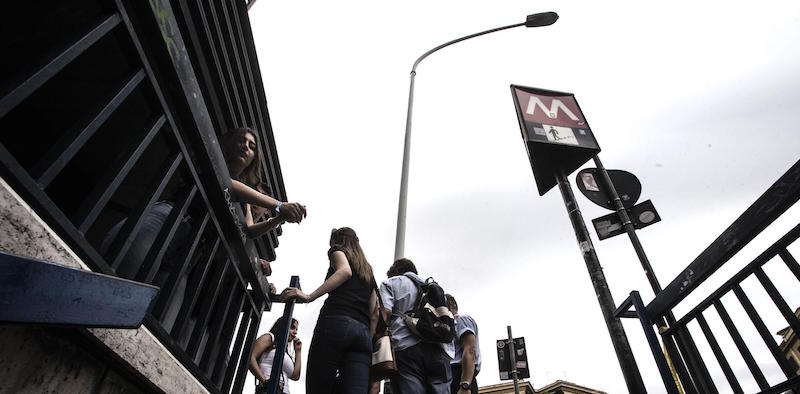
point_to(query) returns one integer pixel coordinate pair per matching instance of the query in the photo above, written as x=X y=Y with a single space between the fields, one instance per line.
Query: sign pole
x=513 y=359
x=630 y=371
x=626 y=223
x=637 y=246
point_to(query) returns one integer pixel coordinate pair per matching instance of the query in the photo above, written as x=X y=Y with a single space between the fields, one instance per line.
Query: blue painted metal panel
x=39 y=292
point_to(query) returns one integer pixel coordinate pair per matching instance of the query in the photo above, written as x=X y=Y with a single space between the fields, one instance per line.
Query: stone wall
x=48 y=360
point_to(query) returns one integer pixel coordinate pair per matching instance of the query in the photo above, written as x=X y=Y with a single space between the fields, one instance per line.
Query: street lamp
x=534 y=20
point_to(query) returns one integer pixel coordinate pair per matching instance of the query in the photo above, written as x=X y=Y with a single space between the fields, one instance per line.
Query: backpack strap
x=414 y=278
x=410 y=320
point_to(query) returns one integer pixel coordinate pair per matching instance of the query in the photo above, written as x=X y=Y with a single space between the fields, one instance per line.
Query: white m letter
x=552 y=113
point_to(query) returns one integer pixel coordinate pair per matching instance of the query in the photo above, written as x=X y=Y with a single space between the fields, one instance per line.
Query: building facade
x=110 y=118
x=790 y=345
x=525 y=387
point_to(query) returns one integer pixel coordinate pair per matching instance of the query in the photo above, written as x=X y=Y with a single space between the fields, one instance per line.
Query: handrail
x=784 y=193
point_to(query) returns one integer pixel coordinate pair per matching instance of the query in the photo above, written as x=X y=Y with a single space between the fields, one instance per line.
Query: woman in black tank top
x=341 y=348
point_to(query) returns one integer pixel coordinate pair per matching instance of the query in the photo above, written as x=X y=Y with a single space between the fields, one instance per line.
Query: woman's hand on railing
x=293 y=293
x=273 y=293
x=265 y=268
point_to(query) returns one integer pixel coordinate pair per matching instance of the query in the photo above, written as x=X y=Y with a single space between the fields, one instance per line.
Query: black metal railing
x=281 y=340
x=714 y=302
x=220 y=43
x=692 y=367
x=108 y=133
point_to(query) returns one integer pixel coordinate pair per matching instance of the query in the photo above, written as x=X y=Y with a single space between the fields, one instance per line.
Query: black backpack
x=431 y=318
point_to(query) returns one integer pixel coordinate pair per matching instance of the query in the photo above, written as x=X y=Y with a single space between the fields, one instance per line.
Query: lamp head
x=541 y=19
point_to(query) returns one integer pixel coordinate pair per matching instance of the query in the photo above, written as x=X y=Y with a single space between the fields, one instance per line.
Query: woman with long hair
x=341 y=348
x=241 y=150
x=263 y=356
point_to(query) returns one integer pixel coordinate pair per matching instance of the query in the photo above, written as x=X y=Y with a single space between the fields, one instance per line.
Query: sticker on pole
x=589 y=182
x=641 y=215
x=556 y=135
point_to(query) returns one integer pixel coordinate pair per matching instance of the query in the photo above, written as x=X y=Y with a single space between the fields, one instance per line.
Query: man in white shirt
x=467 y=360
x=422 y=367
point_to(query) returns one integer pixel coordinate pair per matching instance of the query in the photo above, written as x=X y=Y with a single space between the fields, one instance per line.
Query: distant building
x=525 y=387
x=790 y=346
x=507 y=388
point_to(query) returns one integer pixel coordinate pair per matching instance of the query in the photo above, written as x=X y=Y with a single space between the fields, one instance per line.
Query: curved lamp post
x=534 y=20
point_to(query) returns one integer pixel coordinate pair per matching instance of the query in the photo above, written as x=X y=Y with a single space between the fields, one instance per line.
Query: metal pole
x=281 y=341
x=626 y=223
x=662 y=361
x=630 y=371
x=669 y=318
x=400 y=237
x=513 y=359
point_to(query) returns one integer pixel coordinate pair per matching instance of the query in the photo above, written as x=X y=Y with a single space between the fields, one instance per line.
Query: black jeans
x=342 y=344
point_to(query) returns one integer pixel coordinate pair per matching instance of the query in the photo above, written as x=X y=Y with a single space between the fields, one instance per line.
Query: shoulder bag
x=383 y=360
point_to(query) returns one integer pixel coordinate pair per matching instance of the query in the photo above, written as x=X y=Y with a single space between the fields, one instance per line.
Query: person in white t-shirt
x=466 y=362
x=263 y=356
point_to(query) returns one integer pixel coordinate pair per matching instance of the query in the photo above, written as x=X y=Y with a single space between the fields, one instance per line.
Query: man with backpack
x=422 y=326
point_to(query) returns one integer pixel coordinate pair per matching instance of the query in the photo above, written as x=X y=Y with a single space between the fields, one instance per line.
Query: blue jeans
x=340 y=344
x=422 y=368
x=143 y=241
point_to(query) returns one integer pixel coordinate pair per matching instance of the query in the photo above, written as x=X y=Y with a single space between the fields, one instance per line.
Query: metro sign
x=556 y=105
x=556 y=135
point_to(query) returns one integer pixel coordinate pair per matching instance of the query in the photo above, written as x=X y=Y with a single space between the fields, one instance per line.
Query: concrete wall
x=41 y=360
x=50 y=360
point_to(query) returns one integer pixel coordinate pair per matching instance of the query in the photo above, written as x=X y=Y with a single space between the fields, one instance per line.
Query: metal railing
x=281 y=340
x=691 y=367
x=220 y=43
x=109 y=126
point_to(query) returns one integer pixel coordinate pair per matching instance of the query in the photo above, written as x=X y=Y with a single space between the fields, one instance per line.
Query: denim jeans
x=140 y=247
x=422 y=368
x=144 y=239
x=340 y=344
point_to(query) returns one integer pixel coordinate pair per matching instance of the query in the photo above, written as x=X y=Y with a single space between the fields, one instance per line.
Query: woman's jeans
x=340 y=344
x=140 y=247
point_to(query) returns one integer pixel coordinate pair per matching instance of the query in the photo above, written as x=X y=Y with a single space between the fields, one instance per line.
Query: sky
x=697 y=99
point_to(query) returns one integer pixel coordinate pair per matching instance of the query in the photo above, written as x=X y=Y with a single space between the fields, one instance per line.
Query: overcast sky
x=698 y=99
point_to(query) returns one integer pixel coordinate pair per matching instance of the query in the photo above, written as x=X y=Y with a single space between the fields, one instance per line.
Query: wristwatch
x=278 y=208
x=465 y=385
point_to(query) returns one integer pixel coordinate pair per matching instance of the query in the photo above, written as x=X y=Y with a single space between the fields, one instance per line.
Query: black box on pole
x=504 y=359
